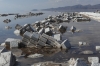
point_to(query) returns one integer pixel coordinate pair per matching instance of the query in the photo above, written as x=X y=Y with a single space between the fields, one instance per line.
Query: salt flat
x=92 y=15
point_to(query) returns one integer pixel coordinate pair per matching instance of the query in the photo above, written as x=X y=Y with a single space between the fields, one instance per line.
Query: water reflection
x=53 y=51
x=52 y=54
x=44 y=51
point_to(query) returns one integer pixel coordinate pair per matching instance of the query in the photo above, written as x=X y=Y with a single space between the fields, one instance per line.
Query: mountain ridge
x=79 y=6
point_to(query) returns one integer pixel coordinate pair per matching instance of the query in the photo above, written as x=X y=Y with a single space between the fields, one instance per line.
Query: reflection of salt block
x=35 y=55
x=87 y=52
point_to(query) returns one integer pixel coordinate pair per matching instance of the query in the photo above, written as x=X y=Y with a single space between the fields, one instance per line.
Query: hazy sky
x=23 y=5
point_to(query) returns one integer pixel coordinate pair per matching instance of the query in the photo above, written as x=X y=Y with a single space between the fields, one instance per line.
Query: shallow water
x=4 y=33
x=89 y=33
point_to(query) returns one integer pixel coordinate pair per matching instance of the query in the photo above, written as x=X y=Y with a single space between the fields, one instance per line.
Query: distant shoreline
x=75 y=7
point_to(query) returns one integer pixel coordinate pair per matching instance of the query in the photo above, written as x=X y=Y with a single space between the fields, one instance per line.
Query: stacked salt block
x=51 y=41
x=12 y=43
x=21 y=31
x=30 y=38
x=38 y=39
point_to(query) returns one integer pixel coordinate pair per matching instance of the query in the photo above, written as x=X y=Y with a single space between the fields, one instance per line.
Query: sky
x=24 y=5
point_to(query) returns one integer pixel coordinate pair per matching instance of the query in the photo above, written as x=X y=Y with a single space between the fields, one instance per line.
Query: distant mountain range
x=35 y=10
x=74 y=7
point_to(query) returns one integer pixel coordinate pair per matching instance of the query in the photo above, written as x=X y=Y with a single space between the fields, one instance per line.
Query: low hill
x=74 y=7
